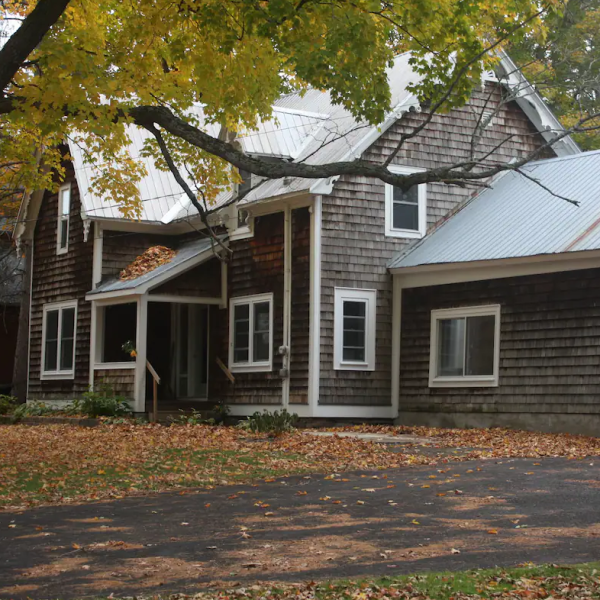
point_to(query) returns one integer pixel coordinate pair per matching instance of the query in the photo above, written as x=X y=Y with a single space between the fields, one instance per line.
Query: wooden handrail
x=155 y=382
x=225 y=370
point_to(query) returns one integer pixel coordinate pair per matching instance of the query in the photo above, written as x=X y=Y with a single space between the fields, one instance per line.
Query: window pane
x=64 y=233
x=260 y=349
x=51 y=350
x=354 y=329
x=406 y=216
x=65 y=202
x=66 y=355
x=480 y=345
x=67 y=335
x=241 y=333
x=451 y=344
x=411 y=195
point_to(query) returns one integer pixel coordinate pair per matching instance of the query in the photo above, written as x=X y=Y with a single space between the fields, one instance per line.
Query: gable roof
x=517 y=217
x=305 y=127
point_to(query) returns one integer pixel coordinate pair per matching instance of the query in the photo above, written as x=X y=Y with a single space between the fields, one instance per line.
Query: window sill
x=354 y=367
x=61 y=251
x=404 y=233
x=453 y=382
x=241 y=233
x=57 y=375
x=116 y=365
x=264 y=368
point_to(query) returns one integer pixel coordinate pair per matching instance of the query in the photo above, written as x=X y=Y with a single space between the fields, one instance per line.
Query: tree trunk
x=19 y=383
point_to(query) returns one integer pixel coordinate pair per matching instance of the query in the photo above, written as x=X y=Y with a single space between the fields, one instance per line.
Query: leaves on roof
x=148 y=261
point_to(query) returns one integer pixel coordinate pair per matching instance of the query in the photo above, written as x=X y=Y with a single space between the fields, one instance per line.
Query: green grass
x=171 y=468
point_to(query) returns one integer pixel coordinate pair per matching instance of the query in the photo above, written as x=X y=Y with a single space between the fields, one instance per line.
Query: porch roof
x=189 y=255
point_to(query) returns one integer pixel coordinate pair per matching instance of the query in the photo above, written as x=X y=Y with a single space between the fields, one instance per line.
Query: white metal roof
x=518 y=217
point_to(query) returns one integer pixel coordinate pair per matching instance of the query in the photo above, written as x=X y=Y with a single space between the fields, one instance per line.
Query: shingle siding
x=355 y=250
x=549 y=345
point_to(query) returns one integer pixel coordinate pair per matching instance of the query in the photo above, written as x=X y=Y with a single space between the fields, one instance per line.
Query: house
x=305 y=313
x=11 y=288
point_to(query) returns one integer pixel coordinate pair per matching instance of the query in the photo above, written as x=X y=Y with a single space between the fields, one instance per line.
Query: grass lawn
x=64 y=463
x=569 y=582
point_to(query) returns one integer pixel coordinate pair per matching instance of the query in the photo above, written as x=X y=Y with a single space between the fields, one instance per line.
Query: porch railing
x=155 y=383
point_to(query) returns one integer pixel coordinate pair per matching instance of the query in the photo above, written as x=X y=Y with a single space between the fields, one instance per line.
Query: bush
x=7 y=404
x=193 y=418
x=33 y=409
x=275 y=423
x=102 y=403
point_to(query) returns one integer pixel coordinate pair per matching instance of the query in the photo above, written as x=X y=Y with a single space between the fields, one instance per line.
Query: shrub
x=7 y=404
x=33 y=409
x=103 y=403
x=275 y=423
x=193 y=418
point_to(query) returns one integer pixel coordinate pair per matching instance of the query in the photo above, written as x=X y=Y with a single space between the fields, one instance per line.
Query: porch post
x=396 y=343
x=140 y=347
x=93 y=343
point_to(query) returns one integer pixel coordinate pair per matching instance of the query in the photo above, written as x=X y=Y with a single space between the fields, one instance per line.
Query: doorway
x=189 y=339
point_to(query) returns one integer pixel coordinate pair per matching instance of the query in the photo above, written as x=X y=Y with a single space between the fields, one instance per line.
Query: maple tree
x=85 y=70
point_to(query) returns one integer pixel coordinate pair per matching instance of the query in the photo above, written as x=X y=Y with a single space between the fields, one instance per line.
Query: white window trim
x=66 y=374
x=250 y=367
x=390 y=231
x=60 y=218
x=470 y=380
x=370 y=299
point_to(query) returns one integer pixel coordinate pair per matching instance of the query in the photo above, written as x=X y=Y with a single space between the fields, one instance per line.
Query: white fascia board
x=322 y=185
x=481 y=270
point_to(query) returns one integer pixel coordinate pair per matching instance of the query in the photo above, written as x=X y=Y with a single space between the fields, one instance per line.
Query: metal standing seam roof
x=516 y=217
x=187 y=252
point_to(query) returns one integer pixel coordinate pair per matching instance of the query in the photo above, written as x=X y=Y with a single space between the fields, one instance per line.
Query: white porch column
x=93 y=338
x=396 y=337
x=140 y=361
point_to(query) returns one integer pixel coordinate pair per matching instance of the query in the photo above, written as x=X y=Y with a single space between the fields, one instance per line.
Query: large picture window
x=251 y=333
x=64 y=210
x=465 y=346
x=354 y=329
x=405 y=209
x=58 y=340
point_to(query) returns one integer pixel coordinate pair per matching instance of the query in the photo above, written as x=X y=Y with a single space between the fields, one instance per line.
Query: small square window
x=354 y=335
x=465 y=346
x=251 y=333
x=405 y=209
x=58 y=340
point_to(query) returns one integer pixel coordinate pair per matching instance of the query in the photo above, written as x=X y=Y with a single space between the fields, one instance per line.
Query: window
x=354 y=329
x=58 y=340
x=251 y=333
x=405 y=210
x=118 y=330
x=465 y=346
x=64 y=208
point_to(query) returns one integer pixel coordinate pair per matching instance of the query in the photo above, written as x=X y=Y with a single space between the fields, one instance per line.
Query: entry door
x=190 y=331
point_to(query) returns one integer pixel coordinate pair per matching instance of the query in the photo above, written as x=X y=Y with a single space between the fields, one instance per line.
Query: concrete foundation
x=583 y=424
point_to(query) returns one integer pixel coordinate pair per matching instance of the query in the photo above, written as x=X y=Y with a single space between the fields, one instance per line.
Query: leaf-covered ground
x=62 y=463
x=545 y=582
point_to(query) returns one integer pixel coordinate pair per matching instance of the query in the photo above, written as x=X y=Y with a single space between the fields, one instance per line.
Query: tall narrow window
x=405 y=208
x=64 y=209
x=251 y=333
x=58 y=340
x=465 y=346
x=354 y=335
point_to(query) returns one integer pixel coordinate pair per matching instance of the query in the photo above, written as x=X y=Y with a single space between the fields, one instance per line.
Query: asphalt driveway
x=452 y=516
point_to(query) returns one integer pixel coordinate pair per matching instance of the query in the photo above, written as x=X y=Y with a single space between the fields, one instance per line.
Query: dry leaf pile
x=496 y=442
x=146 y=262
x=62 y=463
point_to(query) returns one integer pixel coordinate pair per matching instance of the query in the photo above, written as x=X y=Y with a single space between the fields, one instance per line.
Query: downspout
x=285 y=350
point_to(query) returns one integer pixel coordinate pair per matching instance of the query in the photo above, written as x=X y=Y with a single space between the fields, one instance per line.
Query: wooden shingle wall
x=201 y=281
x=355 y=250
x=58 y=279
x=256 y=267
x=119 y=381
x=549 y=345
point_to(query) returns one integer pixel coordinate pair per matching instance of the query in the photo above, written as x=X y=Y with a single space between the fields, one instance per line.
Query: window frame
x=60 y=218
x=369 y=297
x=251 y=366
x=464 y=380
x=59 y=306
x=390 y=230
